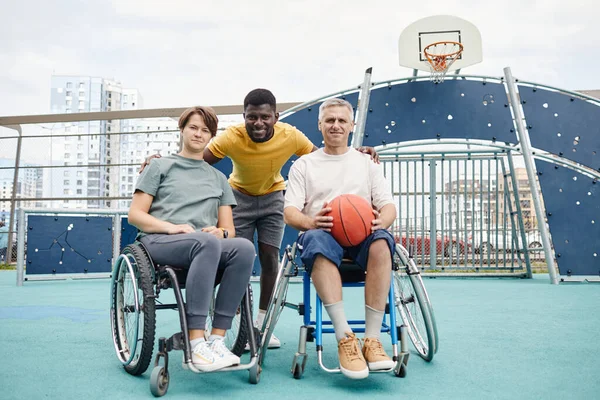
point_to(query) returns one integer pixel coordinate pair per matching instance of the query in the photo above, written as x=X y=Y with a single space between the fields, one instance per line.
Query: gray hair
x=335 y=102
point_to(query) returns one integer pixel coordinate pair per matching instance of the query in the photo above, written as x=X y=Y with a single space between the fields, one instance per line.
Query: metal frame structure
x=513 y=100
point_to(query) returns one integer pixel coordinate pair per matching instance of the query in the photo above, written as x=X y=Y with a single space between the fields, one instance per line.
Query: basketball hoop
x=440 y=56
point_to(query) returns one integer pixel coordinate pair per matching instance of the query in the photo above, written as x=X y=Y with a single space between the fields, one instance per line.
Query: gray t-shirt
x=185 y=191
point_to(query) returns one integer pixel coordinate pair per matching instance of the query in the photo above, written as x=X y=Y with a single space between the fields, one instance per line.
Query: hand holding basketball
x=323 y=220
x=352 y=219
x=376 y=223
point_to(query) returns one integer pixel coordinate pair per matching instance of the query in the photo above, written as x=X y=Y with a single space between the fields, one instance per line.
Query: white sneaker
x=205 y=359
x=274 y=343
x=221 y=352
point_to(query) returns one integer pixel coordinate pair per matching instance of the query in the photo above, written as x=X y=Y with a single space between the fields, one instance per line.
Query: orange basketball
x=352 y=217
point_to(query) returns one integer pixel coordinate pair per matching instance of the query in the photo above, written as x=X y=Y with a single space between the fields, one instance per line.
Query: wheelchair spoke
x=409 y=305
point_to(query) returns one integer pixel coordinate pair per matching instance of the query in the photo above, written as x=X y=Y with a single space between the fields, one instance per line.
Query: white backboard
x=439 y=28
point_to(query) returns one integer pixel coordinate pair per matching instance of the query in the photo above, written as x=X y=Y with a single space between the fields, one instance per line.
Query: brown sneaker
x=375 y=356
x=352 y=362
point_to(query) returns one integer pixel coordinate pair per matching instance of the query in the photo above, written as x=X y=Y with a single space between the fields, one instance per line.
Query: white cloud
x=187 y=52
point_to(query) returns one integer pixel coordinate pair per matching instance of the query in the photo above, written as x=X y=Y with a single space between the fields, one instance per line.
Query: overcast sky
x=185 y=52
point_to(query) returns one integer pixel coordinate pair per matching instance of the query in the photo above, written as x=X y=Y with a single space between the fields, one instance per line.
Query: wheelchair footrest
x=175 y=342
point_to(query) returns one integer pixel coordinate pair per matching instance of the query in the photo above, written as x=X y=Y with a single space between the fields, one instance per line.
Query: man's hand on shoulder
x=147 y=161
x=370 y=151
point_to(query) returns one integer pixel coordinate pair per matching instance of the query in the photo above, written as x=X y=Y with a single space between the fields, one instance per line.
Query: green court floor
x=499 y=339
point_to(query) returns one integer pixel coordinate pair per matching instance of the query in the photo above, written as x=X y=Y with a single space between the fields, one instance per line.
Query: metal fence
x=469 y=211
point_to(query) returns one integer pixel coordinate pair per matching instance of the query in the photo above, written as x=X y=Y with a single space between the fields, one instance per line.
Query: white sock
x=373 y=320
x=194 y=342
x=260 y=318
x=213 y=337
x=338 y=319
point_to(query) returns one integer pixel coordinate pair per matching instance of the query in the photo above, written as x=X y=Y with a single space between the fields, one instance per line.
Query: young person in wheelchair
x=182 y=207
x=314 y=180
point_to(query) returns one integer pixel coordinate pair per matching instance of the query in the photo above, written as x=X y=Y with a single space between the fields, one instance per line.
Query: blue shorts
x=316 y=241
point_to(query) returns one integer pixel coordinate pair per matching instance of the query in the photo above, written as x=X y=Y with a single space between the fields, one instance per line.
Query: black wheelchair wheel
x=236 y=337
x=133 y=312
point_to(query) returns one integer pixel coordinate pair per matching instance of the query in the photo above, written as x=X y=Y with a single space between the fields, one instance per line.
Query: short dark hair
x=207 y=114
x=258 y=97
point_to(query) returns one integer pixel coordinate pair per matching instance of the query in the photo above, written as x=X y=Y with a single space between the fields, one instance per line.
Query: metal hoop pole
x=528 y=159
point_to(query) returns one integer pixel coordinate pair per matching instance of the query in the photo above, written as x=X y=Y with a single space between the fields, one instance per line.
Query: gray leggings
x=203 y=254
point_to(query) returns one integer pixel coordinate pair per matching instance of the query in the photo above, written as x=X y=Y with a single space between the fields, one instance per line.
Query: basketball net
x=440 y=56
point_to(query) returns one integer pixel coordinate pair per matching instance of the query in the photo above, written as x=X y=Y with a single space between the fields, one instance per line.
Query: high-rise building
x=88 y=148
x=29 y=186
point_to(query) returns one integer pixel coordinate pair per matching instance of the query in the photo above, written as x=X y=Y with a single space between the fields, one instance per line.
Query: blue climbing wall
x=573 y=214
x=58 y=245
x=568 y=127
x=422 y=110
x=128 y=233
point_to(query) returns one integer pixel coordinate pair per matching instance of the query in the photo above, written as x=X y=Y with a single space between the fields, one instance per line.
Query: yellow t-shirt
x=257 y=166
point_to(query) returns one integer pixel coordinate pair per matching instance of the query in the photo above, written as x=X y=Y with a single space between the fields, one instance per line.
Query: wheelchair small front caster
x=255 y=371
x=298 y=371
x=159 y=381
x=400 y=370
x=299 y=361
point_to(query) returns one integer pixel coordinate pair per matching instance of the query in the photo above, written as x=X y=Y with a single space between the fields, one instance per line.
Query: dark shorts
x=316 y=241
x=263 y=214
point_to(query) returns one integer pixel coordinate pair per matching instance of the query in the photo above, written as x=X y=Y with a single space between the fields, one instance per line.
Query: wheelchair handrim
x=420 y=343
x=120 y=337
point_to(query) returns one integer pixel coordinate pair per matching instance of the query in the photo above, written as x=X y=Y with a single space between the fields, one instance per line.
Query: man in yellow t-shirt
x=258 y=149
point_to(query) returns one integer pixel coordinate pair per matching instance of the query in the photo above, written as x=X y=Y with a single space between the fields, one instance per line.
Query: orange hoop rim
x=440 y=63
x=454 y=53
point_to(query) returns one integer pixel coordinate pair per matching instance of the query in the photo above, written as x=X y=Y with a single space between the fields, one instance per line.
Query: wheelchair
x=407 y=299
x=135 y=288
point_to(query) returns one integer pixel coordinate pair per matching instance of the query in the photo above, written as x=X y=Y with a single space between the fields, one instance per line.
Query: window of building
x=66 y=191
x=81 y=85
x=79 y=174
x=79 y=156
x=81 y=94
x=67 y=155
x=68 y=110
x=79 y=182
x=68 y=93
x=79 y=191
x=66 y=173
x=68 y=103
x=66 y=182
x=81 y=103
x=69 y=85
